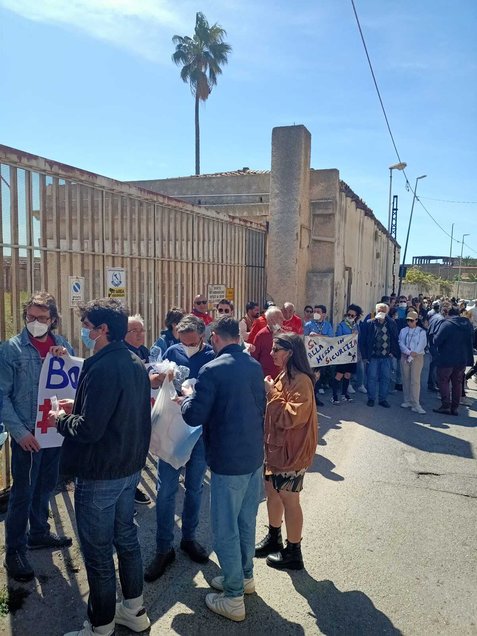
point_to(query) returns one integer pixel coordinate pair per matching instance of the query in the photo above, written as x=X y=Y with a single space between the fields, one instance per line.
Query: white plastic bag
x=171 y=438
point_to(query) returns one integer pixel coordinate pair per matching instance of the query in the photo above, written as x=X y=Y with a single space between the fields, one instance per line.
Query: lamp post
x=395 y=166
x=450 y=253
x=460 y=262
x=423 y=176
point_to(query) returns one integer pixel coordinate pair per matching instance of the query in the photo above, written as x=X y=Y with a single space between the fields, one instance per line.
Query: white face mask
x=37 y=329
x=317 y=317
x=190 y=351
x=402 y=305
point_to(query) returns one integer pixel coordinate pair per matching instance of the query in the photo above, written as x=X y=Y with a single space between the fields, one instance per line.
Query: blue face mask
x=87 y=341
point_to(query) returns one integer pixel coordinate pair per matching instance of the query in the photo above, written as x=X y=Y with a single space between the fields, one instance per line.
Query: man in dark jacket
x=230 y=403
x=453 y=344
x=378 y=343
x=107 y=437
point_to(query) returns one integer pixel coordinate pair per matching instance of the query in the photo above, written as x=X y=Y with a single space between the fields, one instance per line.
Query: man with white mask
x=192 y=352
x=34 y=470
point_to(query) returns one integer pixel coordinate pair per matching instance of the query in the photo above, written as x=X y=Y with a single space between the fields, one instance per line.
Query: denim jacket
x=20 y=366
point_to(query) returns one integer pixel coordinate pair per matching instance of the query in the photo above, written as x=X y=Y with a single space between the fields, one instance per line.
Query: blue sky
x=91 y=83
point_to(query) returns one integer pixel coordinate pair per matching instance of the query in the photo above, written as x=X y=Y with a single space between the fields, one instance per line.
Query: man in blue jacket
x=34 y=470
x=230 y=404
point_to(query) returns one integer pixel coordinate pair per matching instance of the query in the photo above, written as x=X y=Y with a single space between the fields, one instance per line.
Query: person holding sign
x=291 y=436
x=107 y=433
x=34 y=470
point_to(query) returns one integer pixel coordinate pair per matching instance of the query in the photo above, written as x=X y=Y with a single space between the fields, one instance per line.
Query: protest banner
x=322 y=351
x=59 y=377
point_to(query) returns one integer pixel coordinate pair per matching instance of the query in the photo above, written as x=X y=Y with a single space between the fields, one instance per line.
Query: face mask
x=37 y=329
x=317 y=317
x=190 y=351
x=403 y=305
x=85 y=337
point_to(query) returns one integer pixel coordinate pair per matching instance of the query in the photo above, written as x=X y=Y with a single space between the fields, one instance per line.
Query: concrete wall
x=324 y=245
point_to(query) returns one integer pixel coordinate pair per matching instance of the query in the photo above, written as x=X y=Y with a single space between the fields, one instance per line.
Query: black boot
x=272 y=542
x=289 y=558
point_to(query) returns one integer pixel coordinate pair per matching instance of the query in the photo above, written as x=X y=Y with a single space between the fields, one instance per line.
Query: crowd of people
x=255 y=396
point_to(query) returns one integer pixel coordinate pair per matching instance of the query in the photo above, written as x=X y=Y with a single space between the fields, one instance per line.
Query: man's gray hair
x=136 y=318
x=191 y=324
x=273 y=312
x=382 y=307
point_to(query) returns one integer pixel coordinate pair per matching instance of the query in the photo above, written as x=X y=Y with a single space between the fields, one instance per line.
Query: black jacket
x=453 y=342
x=108 y=433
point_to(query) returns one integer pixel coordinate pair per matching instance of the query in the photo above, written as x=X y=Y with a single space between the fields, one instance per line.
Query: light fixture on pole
x=423 y=176
x=450 y=252
x=460 y=262
x=395 y=166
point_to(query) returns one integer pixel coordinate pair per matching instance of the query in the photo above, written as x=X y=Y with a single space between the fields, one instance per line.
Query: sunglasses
x=201 y=302
x=276 y=349
x=308 y=311
x=223 y=311
x=410 y=319
x=351 y=315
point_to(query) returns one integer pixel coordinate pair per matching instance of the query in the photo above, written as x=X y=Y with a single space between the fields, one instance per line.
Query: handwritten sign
x=322 y=352
x=59 y=377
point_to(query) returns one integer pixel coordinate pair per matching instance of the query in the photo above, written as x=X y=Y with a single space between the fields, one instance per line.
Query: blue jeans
x=360 y=375
x=34 y=479
x=379 y=375
x=233 y=508
x=105 y=518
x=167 y=486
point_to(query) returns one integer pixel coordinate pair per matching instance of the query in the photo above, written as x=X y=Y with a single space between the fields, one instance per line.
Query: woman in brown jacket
x=291 y=435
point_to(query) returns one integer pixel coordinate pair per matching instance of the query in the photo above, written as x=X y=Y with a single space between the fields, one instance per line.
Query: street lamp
x=395 y=166
x=423 y=176
x=460 y=262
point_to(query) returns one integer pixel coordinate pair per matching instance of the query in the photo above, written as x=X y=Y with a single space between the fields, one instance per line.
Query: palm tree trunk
x=197 y=136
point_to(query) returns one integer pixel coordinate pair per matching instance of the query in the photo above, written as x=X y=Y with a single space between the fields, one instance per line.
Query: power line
x=408 y=185
x=447 y=201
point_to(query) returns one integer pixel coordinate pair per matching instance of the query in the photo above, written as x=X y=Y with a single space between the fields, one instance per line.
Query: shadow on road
x=341 y=613
x=325 y=467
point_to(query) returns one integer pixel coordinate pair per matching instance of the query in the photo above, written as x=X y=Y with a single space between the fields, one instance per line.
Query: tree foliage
x=201 y=57
x=425 y=281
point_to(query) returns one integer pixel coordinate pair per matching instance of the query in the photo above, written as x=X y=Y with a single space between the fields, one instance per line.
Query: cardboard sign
x=322 y=351
x=215 y=293
x=59 y=377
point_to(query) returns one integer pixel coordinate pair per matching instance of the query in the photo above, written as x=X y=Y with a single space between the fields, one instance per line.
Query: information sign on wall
x=215 y=293
x=76 y=290
x=116 y=283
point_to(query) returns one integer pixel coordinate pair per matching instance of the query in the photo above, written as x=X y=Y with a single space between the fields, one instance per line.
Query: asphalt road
x=389 y=541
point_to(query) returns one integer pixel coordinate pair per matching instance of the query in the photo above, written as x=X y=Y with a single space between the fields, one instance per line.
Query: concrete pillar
x=289 y=227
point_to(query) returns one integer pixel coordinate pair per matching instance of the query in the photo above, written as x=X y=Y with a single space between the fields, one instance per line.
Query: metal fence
x=59 y=222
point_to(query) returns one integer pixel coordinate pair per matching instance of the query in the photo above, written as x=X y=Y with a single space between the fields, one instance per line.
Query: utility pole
x=460 y=262
x=408 y=231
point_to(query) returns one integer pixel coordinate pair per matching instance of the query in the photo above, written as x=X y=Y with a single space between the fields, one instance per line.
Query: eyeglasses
x=276 y=349
x=351 y=315
x=43 y=319
x=223 y=311
x=201 y=302
x=138 y=331
x=410 y=319
x=308 y=311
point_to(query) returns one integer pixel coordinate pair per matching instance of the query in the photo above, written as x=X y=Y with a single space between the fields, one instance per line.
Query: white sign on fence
x=76 y=290
x=58 y=377
x=116 y=283
x=215 y=293
x=322 y=351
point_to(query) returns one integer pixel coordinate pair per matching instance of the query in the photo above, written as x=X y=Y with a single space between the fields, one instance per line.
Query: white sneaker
x=406 y=405
x=362 y=389
x=418 y=409
x=228 y=606
x=248 y=584
x=350 y=389
x=89 y=630
x=321 y=391
x=136 y=620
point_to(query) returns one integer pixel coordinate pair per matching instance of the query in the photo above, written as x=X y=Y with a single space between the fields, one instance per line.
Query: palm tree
x=201 y=57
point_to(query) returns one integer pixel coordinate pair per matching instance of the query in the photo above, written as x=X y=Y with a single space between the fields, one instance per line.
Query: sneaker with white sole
x=321 y=391
x=350 y=389
x=231 y=607
x=89 y=630
x=335 y=402
x=362 y=389
x=418 y=409
x=406 y=405
x=136 y=620
x=248 y=584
